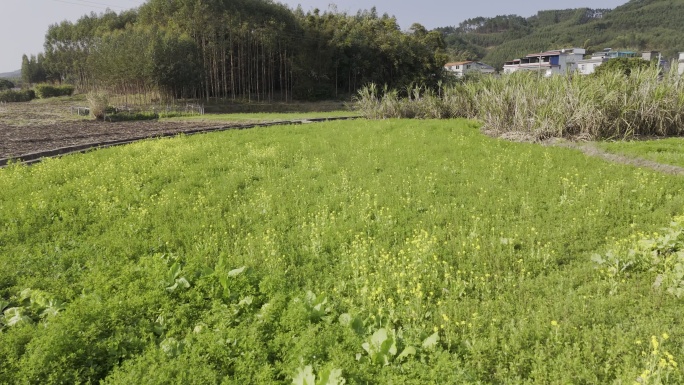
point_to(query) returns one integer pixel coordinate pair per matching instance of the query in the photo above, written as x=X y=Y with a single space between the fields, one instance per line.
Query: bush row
x=11 y=96
x=49 y=91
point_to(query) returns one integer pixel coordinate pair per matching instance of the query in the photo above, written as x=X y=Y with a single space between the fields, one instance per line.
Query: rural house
x=462 y=68
x=547 y=63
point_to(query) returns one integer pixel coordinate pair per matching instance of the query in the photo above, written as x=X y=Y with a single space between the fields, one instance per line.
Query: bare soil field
x=35 y=127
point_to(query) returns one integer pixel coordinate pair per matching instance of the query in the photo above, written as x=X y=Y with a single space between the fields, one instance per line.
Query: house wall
x=588 y=67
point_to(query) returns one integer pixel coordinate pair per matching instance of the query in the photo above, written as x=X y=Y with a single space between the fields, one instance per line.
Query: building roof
x=547 y=53
x=531 y=65
x=458 y=63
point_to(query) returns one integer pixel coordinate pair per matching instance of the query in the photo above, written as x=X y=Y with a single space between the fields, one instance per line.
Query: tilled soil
x=30 y=127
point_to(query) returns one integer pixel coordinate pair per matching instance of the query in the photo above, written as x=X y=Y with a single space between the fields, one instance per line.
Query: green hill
x=640 y=25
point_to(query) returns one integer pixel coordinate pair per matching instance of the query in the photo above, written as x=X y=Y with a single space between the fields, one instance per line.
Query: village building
x=463 y=68
x=547 y=63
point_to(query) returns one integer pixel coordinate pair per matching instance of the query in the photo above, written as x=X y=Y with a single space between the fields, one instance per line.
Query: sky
x=24 y=22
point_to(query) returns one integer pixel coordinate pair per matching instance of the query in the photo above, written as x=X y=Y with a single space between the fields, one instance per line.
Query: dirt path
x=590 y=149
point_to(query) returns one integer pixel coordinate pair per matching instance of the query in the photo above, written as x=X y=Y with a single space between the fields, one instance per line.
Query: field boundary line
x=35 y=157
x=590 y=149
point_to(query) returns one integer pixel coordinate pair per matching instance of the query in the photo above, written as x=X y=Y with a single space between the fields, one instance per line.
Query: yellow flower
x=554 y=323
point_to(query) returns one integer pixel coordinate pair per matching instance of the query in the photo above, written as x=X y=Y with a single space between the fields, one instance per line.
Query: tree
x=32 y=69
x=6 y=85
x=622 y=65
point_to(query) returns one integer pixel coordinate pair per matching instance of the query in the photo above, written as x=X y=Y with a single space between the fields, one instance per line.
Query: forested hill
x=639 y=25
x=252 y=49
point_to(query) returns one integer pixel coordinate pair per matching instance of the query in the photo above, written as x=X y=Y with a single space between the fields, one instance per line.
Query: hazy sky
x=24 y=22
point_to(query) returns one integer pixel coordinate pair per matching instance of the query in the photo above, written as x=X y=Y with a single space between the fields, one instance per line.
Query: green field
x=394 y=251
x=667 y=151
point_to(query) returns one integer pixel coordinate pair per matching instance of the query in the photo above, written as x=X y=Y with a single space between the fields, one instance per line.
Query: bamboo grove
x=239 y=49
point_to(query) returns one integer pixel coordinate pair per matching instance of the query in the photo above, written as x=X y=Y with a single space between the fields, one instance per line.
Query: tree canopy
x=253 y=49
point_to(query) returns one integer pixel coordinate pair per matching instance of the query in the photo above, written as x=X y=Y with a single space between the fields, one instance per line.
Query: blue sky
x=24 y=22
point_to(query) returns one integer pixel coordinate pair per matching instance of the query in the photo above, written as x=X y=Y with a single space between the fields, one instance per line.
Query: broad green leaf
x=172 y=288
x=389 y=347
x=174 y=271
x=15 y=316
x=378 y=338
x=345 y=319
x=52 y=309
x=408 y=351
x=3 y=304
x=331 y=377
x=39 y=299
x=236 y=272
x=304 y=376
x=183 y=282
x=366 y=346
x=431 y=342
x=172 y=347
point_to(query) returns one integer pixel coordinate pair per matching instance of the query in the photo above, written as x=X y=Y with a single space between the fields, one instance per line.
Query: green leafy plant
x=381 y=347
x=667 y=254
x=172 y=347
x=306 y=376
x=316 y=306
x=174 y=280
x=14 y=316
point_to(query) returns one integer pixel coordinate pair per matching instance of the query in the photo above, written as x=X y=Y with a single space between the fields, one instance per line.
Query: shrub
x=125 y=116
x=6 y=84
x=49 y=91
x=98 y=102
x=11 y=96
x=623 y=65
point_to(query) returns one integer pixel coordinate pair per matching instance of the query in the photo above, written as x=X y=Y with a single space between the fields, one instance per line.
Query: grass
x=667 y=151
x=389 y=251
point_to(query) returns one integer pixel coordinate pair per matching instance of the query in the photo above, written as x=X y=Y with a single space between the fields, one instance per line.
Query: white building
x=547 y=63
x=463 y=68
